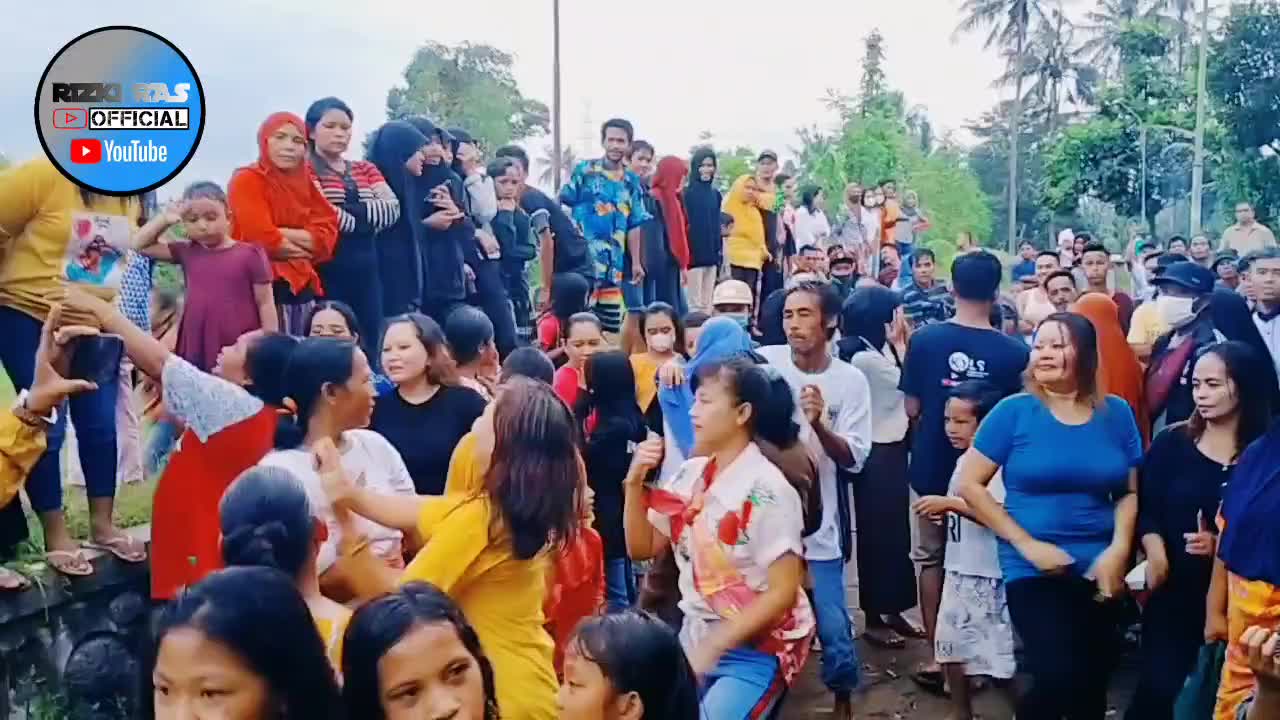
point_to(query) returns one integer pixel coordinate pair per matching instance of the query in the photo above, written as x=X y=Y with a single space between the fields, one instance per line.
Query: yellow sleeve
x=23 y=190
x=20 y=447
x=459 y=532
x=464 y=476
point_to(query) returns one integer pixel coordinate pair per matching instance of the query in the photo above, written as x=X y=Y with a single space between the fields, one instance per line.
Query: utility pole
x=556 y=170
x=1197 y=163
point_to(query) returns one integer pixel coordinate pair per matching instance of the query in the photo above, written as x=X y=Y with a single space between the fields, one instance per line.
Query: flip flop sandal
x=69 y=563
x=876 y=636
x=119 y=547
x=13 y=581
x=903 y=627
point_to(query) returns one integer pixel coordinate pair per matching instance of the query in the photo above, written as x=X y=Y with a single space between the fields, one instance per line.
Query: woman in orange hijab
x=275 y=204
x=1119 y=371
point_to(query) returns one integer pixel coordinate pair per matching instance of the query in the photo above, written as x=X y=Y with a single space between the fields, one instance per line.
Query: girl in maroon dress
x=228 y=282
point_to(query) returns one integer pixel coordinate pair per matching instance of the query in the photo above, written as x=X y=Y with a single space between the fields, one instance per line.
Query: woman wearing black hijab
x=448 y=236
x=394 y=149
x=702 y=205
x=881 y=493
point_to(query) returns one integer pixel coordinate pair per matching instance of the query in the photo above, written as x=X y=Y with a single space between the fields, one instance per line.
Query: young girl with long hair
x=240 y=644
x=735 y=525
x=614 y=425
x=627 y=665
x=584 y=337
x=228 y=283
x=412 y=653
x=663 y=332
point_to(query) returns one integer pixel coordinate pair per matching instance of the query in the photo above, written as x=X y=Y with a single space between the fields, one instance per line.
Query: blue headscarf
x=721 y=339
x=1250 y=545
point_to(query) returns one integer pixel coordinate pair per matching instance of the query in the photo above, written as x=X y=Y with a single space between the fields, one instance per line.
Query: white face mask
x=662 y=342
x=1175 y=311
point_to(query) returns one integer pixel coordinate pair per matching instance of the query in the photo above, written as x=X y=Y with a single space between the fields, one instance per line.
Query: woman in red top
x=584 y=337
x=276 y=204
x=230 y=424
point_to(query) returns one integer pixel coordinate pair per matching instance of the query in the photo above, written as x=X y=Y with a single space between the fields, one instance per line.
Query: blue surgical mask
x=744 y=321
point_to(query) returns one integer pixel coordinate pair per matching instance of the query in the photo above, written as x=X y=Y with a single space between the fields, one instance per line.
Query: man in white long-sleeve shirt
x=835 y=404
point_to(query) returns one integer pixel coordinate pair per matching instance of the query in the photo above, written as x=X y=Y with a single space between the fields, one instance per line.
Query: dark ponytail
x=266 y=521
x=314 y=364
x=266 y=363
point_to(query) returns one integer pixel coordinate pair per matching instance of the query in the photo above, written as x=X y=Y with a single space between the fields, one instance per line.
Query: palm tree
x=568 y=158
x=1056 y=68
x=1108 y=24
x=1008 y=23
x=1179 y=17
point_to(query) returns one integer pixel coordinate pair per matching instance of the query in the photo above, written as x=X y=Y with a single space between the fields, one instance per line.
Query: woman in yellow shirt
x=50 y=231
x=489 y=550
x=746 y=249
x=266 y=520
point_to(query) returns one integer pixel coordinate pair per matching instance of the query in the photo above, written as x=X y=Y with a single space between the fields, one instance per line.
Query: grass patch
x=132 y=509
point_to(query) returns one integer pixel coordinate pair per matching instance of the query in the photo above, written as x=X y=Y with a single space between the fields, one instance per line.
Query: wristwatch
x=28 y=417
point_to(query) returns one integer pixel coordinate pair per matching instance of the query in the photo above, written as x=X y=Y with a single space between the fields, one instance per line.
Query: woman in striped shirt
x=366 y=206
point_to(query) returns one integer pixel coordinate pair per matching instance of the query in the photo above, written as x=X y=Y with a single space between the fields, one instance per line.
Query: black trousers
x=1069 y=642
x=1172 y=635
x=491 y=297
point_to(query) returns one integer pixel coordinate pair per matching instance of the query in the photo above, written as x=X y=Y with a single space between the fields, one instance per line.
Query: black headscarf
x=400 y=246
x=863 y=319
x=444 y=251
x=1231 y=317
x=702 y=205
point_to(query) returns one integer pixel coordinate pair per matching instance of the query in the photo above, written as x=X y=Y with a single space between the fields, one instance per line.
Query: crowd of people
x=405 y=481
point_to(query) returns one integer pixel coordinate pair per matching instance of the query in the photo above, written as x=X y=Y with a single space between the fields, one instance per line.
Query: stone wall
x=69 y=647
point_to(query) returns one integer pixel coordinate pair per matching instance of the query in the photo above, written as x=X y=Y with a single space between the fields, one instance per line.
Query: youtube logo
x=70 y=118
x=86 y=152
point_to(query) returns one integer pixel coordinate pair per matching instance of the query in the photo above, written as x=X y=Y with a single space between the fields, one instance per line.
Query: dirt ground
x=888 y=692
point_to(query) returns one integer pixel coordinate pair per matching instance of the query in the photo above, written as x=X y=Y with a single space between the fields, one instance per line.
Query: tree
x=734 y=164
x=568 y=159
x=1009 y=22
x=469 y=86
x=1244 y=82
x=1056 y=68
x=872 y=88
x=1178 y=18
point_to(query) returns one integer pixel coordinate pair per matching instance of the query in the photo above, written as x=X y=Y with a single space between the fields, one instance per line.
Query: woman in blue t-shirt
x=1069 y=456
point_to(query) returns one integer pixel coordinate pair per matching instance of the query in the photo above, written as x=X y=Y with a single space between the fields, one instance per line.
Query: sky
x=673 y=67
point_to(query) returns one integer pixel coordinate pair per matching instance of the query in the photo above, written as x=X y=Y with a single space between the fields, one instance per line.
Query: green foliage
x=869 y=149
x=1244 y=75
x=734 y=164
x=469 y=86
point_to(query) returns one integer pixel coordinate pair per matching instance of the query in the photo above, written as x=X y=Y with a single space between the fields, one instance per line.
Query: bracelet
x=28 y=417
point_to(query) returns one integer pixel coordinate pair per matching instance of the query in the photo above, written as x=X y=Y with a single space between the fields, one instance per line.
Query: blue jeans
x=93 y=412
x=744 y=685
x=906 y=251
x=619 y=584
x=831 y=609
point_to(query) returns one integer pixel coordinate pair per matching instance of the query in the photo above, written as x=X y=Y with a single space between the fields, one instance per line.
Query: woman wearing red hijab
x=275 y=204
x=1119 y=371
x=665 y=264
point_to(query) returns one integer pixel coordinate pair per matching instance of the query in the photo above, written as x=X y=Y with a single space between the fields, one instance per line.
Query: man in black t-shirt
x=562 y=248
x=939 y=357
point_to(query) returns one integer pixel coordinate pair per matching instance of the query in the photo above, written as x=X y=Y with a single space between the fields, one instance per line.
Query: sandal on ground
x=931 y=681
x=123 y=547
x=905 y=628
x=883 y=636
x=12 y=581
x=69 y=562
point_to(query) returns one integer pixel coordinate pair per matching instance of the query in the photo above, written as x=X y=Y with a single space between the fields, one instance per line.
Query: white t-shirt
x=773 y=528
x=971 y=548
x=848 y=400
x=372 y=463
x=811 y=228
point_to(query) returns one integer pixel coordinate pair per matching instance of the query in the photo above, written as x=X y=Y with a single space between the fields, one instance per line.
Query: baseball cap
x=1194 y=277
x=1230 y=256
x=732 y=292
x=767 y=155
x=803 y=277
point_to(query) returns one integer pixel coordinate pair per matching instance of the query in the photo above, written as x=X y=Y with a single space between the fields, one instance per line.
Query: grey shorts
x=931 y=543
